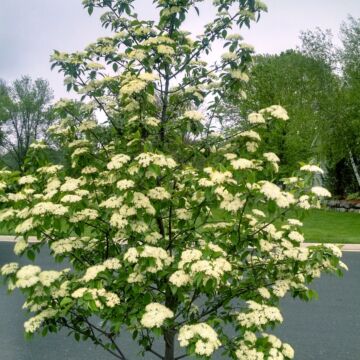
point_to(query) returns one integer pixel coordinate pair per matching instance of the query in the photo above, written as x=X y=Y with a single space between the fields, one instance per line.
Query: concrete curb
x=343 y=247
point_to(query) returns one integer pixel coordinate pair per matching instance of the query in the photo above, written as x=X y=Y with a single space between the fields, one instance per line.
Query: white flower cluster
x=110 y=298
x=45 y=208
x=82 y=215
x=27 y=276
x=133 y=86
x=118 y=161
x=259 y=315
x=219 y=177
x=207 y=343
x=297 y=253
x=51 y=169
x=48 y=277
x=251 y=134
x=155 y=315
x=193 y=115
x=296 y=236
x=256 y=118
x=191 y=261
x=35 y=322
x=145 y=159
x=93 y=271
x=161 y=257
x=25 y=226
x=312 y=168
x=180 y=278
x=277 y=112
x=248 y=352
x=20 y=246
x=67 y=245
x=183 y=214
x=159 y=193
x=320 y=191
x=29 y=179
x=271 y=191
x=334 y=249
x=8 y=269
x=242 y=164
x=125 y=184
x=71 y=184
x=229 y=202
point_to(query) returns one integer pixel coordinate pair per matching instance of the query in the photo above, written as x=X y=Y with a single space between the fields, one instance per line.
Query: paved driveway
x=327 y=329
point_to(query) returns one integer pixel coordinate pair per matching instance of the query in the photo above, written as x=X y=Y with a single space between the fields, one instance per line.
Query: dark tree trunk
x=169 y=338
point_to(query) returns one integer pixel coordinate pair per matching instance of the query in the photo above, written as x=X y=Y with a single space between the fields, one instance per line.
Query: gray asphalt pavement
x=324 y=329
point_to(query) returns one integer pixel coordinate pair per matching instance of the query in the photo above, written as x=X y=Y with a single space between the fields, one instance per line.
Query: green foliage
x=136 y=211
x=25 y=115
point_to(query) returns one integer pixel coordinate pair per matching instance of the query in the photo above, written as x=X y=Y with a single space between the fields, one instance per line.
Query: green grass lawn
x=319 y=226
x=332 y=227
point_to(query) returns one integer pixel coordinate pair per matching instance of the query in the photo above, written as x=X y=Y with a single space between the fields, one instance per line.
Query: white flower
x=145 y=159
x=118 y=161
x=35 y=322
x=320 y=191
x=251 y=134
x=92 y=272
x=296 y=236
x=71 y=198
x=29 y=179
x=149 y=77
x=270 y=156
x=207 y=343
x=125 y=184
x=112 y=264
x=295 y=222
x=20 y=246
x=259 y=315
x=193 y=115
x=159 y=193
x=256 y=118
x=239 y=75
x=183 y=214
x=48 y=277
x=287 y=351
x=334 y=249
x=229 y=56
x=27 y=276
x=277 y=112
x=25 y=226
x=153 y=237
x=70 y=184
x=44 y=208
x=264 y=292
x=87 y=125
x=241 y=164
x=165 y=50
x=312 y=168
x=180 y=278
x=9 y=269
x=155 y=315
x=86 y=214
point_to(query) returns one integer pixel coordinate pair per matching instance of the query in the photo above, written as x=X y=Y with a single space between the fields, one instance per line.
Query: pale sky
x=30 y=30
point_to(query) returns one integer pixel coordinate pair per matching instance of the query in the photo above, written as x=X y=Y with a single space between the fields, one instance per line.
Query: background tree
x=304 y=85
x=339 y=130
x=25 y=114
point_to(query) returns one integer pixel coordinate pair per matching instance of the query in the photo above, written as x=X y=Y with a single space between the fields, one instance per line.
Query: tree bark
x=354 y=167
x=169 y=338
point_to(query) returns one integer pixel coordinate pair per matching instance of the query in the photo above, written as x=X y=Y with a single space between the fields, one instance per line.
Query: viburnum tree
x=172 y=231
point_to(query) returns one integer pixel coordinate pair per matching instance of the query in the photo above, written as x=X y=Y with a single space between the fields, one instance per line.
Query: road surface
x=326 y=329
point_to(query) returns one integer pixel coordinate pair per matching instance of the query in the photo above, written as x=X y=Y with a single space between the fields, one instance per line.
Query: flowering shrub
x=171 y=230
